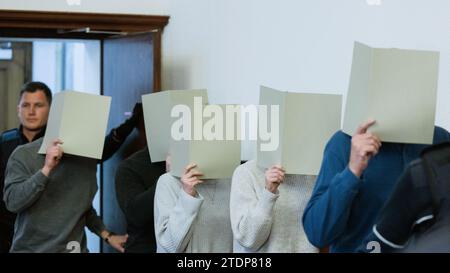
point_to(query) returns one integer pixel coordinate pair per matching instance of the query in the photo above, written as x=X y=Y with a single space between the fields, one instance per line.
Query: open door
x=128 y=73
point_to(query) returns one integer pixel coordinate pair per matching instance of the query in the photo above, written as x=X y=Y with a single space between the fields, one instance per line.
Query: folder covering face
x=158 y=121
x=306 y=122
x=395 y=87
x=215 y=157
x=79 y=120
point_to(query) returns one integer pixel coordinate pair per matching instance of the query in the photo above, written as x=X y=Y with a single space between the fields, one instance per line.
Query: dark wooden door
x=128 y=71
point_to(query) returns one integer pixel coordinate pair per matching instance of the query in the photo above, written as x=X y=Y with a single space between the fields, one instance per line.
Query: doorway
x=129 y=65
x=61 y=65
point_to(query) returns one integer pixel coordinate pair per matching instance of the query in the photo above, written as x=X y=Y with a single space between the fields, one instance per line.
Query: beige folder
x=80 y=121
x=395 y=87
x=306 y=123
x=215 y=158
x=158 y=121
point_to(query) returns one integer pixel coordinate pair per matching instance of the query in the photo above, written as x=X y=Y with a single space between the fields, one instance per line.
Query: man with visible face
x=32 y=110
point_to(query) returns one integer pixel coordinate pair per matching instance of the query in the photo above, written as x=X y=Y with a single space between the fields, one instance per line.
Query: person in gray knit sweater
x=192 y=215
x=52 y=195
x=266 y=207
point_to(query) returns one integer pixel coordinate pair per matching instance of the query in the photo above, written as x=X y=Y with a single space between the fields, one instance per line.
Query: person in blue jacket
x=356 y=178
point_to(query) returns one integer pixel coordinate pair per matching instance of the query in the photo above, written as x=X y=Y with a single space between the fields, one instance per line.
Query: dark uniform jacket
x=9 y=141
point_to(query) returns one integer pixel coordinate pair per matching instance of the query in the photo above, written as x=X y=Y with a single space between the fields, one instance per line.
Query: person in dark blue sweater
x=356 y=178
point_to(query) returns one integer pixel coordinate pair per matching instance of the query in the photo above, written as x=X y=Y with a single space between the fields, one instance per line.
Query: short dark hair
x=31 y=87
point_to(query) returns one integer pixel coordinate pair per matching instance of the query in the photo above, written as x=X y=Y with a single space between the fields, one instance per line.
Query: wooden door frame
x=62 y=25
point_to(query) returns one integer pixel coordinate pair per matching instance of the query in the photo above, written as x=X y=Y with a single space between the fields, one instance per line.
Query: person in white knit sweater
x=266 y=207
x=192 y=215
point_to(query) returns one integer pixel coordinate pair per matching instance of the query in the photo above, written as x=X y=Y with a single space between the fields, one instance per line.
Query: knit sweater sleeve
x=251 y=216
x=327 y=213
x=22 y=186
x=175 y=212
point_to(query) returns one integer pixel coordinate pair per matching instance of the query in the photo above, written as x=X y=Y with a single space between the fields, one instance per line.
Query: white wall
x=233 y=46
